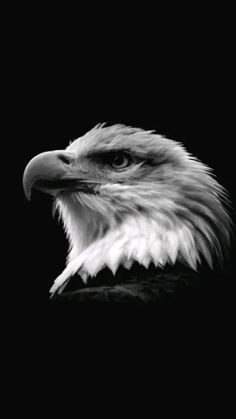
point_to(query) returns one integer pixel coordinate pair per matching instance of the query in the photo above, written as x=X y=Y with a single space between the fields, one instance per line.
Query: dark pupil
x=118 y=160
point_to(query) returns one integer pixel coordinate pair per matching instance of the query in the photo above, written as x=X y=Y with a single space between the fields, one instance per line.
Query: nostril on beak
x=64 y=159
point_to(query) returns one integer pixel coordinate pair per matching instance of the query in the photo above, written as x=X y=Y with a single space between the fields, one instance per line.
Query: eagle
x=126 y=197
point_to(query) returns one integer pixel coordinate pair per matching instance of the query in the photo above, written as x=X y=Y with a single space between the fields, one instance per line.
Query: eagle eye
x=120 y=160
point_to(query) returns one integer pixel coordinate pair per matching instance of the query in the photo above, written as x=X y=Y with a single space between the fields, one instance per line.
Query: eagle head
x=128 y=195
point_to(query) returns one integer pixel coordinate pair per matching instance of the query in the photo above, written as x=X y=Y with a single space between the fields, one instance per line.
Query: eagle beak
x=47 y=172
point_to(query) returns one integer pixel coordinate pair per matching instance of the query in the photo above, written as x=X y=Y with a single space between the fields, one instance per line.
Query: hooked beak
x=52 y=172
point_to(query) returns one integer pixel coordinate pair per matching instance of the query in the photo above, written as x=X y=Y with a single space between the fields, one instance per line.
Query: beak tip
x=27 y=194
x=46 y=165
x=28 y=197
x=26 y=188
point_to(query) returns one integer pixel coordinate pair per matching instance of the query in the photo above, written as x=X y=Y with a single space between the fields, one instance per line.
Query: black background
x=65 y=75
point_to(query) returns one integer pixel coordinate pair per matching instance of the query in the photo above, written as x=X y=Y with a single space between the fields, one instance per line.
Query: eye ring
x=120 y=160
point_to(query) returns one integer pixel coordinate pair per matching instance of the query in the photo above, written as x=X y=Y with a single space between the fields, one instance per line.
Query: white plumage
x=158 y=205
